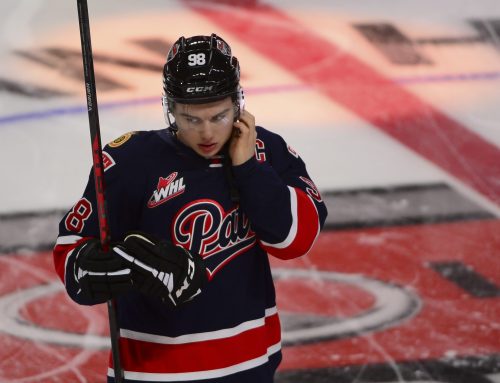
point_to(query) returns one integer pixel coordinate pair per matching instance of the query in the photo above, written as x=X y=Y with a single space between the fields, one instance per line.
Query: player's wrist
x=240 y=160
x=245 y=168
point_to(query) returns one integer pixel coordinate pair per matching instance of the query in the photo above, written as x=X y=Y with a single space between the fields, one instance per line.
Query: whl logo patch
x=166 y=189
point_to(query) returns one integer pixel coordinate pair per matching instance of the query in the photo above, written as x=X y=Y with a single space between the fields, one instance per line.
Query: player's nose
x=206 y=130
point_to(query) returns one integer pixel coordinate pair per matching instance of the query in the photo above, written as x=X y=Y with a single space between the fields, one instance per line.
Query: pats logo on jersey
x=205 y=228
x=167 y=189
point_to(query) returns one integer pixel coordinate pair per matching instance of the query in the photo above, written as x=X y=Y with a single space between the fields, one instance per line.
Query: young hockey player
x=194 y=212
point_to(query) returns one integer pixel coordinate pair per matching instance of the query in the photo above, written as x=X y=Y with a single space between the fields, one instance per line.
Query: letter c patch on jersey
x=260 y=150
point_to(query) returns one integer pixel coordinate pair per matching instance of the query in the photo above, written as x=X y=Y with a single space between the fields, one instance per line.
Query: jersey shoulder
x=267 y=136
x=276 y=147
x=125 y=150
x=131 y=141
x=136 y=142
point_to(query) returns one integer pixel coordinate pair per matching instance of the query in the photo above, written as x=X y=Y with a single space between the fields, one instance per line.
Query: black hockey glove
x=162 y=269
x=100 y=275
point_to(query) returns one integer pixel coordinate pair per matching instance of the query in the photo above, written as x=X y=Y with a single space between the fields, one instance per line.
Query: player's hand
x=100 y=275
x=242 y=144
x=162 y=269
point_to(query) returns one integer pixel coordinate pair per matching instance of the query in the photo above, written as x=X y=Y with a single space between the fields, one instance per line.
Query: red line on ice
x=353 y=84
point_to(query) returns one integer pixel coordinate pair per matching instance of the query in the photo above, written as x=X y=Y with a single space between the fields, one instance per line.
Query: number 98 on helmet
x=200 y=69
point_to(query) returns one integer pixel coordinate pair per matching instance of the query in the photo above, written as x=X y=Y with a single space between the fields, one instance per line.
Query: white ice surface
x=45 y=162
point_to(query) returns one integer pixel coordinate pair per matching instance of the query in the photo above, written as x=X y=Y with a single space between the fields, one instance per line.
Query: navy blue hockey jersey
x=230 y=333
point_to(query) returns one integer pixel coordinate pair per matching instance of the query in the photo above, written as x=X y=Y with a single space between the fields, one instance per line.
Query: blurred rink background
x=393 y=105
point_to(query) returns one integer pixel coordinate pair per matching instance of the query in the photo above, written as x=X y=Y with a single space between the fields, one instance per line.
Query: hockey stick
x=95 y=136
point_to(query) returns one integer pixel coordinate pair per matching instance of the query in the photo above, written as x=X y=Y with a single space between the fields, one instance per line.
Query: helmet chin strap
x=228 y=172
x=172 y=126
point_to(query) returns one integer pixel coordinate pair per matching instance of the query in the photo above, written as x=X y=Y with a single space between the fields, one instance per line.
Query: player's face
x=205 y=128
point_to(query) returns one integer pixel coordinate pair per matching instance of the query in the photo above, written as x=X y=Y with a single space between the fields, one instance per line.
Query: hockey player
x=194 y=211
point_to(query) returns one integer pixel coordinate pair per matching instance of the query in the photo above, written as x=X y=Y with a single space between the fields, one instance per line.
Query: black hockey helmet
x=200 y=69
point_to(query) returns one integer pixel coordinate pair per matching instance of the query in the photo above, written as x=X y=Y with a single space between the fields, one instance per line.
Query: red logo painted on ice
x=166 y=189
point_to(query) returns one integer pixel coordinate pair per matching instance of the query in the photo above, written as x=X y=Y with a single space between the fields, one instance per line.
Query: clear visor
x=170 y=119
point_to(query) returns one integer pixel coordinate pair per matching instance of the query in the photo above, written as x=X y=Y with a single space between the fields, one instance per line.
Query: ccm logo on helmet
x=197 y=89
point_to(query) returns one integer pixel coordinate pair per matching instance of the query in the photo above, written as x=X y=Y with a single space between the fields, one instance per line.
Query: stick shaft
x=95 y=137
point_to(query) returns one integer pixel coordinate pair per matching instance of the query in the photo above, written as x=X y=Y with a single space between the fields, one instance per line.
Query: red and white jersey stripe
x=214 y=354
x=304 y=228
x=63 y=249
